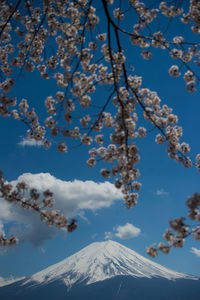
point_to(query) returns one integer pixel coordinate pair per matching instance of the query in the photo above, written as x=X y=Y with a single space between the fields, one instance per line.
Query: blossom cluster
x=13 y=240
x=30 y=199
x=179 y=229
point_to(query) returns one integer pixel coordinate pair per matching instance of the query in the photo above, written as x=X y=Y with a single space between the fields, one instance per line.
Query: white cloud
x=94 y=236
x=195 y=251
x=108 y=235
x=1 y=229
x=127 y=231
x=73 y=198
x=30 y=142
x=161 y=192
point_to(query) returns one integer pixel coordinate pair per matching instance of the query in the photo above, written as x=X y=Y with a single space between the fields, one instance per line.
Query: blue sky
x=81 y=192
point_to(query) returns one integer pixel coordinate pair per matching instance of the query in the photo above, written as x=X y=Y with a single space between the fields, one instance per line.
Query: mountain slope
x=104 y=270
x=4 y=282
x=116 y=288
x=103 y=260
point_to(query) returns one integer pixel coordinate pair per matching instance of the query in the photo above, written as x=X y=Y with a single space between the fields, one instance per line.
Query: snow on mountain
x=7 y=281
x=100 y=261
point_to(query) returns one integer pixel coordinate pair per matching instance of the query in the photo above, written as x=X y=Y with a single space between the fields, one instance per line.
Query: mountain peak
x=100 y=261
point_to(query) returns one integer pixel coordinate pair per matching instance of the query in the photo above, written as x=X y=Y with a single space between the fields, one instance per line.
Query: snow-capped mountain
x=104 y=270
x=103 y=260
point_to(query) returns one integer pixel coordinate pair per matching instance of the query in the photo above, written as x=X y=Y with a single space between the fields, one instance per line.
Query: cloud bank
x=195 y=251
x=161 y=192
x=30 y=142
x=1 y=229
x=125 y=232
x=73 y=198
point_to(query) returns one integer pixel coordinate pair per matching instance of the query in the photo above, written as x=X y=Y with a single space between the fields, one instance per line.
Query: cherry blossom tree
x=89 y=40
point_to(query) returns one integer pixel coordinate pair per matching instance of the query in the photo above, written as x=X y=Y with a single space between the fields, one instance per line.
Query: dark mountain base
x=118 y=288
